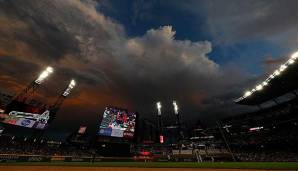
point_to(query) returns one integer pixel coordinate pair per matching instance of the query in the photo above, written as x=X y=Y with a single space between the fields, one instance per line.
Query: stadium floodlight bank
x=20 y=113
x=267 y=81
x=48 y=71
x=71 y=85
x=158 y=105
x=175 y=107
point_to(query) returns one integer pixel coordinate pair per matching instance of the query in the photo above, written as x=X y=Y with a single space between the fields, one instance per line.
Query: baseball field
x=152 y=166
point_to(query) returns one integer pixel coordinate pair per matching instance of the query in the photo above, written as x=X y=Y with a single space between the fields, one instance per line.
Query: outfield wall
x=69 y=168
x=44 y=158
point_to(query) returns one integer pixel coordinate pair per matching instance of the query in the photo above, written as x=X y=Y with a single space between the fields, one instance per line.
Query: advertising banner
x=117 y=133
x=23 y=158
x=82 y=130
x=10 y=121
x=28 y=120
x=25 y=122
x=105 y=131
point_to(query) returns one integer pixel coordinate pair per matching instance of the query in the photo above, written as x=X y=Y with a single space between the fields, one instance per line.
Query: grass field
x=216 y=165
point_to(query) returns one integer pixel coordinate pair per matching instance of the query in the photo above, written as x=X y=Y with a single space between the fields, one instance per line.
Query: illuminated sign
x=161 y=139
x=82 y=129
x=28 y=120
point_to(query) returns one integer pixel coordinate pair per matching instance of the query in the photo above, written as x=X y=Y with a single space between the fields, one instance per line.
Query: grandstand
x=273 y=130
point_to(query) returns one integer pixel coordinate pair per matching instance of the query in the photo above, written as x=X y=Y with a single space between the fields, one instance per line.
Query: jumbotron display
x=117 y=123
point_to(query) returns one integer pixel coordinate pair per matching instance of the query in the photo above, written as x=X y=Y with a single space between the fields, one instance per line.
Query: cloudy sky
x=130 y=54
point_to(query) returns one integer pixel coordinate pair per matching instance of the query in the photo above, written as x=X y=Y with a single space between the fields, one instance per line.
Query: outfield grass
x=223 y=165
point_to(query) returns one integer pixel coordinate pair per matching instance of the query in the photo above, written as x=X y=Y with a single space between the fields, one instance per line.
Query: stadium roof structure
x=282 y=81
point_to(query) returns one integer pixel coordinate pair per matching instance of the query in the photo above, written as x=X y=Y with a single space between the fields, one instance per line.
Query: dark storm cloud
x=13 y=72
x=272 y=20
x=111 y=68
x=42 y=31
x=8 y=65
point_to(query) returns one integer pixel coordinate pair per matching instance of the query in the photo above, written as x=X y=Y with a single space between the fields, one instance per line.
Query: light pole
x=178 y=123
x=159 y=120
x=176 y=111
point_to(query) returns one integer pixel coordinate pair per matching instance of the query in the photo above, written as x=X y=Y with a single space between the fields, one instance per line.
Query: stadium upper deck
x=282 y=81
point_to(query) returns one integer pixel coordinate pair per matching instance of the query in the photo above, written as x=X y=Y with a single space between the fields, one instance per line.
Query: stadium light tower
x=49 y=70
x=159 y=120
x=178 y=122
x=175 y=107
x=158 y=105
x=71 y=85
x=35 y=84
x=55 y=108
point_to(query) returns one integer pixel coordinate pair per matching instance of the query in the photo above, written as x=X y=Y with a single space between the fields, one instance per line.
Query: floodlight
x=276 y=72
x=259 y=87
x=264 y=83
x=282 y=68
x=69 y=88
x=50 y=69
x=294 y=55
x=44 y=75
x=291 y=61
x=175 y=107
x=72 y=83
x=158 y=105
x=247 y=93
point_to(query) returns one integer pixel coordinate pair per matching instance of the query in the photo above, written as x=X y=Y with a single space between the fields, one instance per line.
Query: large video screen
x=26 y=116
x=117 y=123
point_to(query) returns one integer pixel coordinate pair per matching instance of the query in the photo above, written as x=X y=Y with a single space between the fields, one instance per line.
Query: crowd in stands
x=276 y=138
x=27 y=146
x=24 y=146
x=268 y=156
